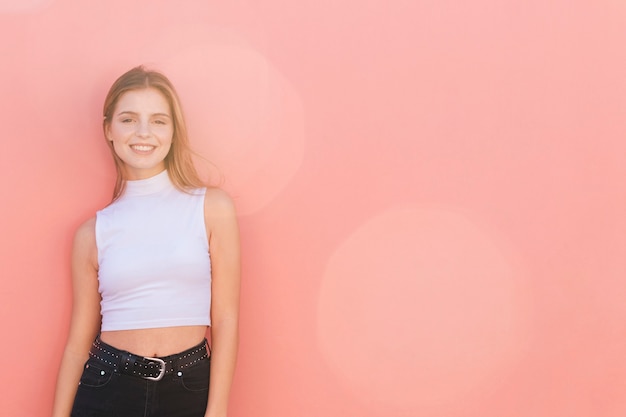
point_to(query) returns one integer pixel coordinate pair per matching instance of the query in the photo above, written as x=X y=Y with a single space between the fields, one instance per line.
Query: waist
x=152 y=368
x=155 y=342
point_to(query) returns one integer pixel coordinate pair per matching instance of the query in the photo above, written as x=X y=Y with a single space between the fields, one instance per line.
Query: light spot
x=244 y=117
x=419 y=309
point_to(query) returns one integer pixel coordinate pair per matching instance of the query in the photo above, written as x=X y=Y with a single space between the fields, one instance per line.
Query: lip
x=142 y=148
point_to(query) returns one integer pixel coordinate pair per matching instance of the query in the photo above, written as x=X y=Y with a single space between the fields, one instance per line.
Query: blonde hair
x=178 y=161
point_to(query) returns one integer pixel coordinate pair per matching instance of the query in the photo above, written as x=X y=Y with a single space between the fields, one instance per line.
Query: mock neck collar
x=151 y=185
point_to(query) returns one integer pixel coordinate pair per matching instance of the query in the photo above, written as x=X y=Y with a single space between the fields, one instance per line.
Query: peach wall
x=432 y=194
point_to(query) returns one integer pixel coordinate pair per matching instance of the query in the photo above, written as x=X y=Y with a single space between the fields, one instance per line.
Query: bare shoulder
x=86 y=232
x=217 y=204
x=85 y=242
x=220 y=216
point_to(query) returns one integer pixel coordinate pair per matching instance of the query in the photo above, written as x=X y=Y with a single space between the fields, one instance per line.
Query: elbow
x=226 y=328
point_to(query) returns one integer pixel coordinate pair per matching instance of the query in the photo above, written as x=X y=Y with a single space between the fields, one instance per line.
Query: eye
x=160 y=122
x=126 y=120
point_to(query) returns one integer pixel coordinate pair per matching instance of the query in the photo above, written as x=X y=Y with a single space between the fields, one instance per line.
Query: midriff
x=162 y=341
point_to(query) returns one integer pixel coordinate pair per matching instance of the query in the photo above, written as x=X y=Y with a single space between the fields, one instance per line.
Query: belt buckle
x=161 y=372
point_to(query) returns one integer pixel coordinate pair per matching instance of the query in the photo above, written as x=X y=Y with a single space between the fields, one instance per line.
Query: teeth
x=143 y=148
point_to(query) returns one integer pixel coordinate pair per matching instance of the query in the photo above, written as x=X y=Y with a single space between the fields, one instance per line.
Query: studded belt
x=146 y=367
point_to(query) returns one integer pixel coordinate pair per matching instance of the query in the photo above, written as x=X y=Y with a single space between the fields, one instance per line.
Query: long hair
x=178 y=161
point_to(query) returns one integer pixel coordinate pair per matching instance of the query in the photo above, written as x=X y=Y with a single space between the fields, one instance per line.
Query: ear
x=107 y=131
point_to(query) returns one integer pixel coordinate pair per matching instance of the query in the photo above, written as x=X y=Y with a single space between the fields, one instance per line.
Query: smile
x=142 y=148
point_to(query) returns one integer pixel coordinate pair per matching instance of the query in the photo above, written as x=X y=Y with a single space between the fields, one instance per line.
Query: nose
x=143 y=129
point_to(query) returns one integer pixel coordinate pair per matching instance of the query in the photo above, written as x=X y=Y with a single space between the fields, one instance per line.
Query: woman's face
x=141 y=131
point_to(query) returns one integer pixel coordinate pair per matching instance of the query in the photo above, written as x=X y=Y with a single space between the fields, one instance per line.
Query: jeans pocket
x=95 y=374
x=196 y=377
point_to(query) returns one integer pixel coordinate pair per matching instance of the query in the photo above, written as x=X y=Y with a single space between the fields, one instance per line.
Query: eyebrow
x=132 y=113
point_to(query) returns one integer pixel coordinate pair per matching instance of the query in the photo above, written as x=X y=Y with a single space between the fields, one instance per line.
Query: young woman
x=151 y=273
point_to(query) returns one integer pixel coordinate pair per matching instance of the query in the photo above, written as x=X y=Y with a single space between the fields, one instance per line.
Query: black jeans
x=106 y=390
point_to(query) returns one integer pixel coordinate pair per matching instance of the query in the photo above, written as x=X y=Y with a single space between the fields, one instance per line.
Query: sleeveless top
x=153 y=257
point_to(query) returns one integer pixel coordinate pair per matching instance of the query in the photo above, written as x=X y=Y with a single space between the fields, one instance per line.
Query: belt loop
x=125 y=360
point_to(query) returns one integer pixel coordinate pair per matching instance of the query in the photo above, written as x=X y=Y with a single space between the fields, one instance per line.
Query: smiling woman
x=142 y=101
x=141 y=132
x=152 y=272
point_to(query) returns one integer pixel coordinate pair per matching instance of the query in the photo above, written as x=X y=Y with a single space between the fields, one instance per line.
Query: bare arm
x=223 y=235
x=85 y=321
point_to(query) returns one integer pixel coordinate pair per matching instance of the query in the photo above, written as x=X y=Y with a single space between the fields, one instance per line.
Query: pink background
x=432 y=194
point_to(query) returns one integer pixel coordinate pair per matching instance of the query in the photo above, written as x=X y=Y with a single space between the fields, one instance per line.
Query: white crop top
x=153 y=256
